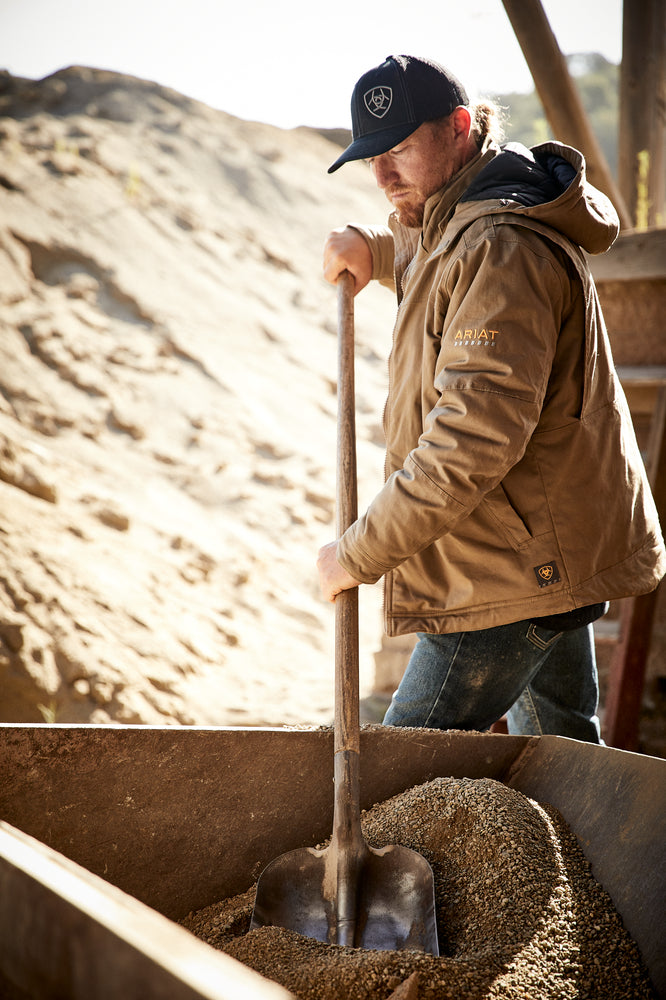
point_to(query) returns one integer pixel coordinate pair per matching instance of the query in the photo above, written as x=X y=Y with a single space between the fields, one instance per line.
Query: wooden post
x=642 y=136
x=559 y=96
x=627 y=670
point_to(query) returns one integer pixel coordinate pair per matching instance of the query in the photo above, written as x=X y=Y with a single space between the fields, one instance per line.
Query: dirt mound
x=518 y=911
x=167 y=407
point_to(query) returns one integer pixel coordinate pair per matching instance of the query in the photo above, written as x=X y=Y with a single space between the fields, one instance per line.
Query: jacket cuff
x=367 y=571
x=380 y=241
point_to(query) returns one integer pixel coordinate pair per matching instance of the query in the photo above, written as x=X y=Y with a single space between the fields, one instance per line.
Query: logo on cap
x=378 y=100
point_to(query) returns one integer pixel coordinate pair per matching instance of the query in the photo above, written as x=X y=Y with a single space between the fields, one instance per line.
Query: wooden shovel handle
x=346 y=603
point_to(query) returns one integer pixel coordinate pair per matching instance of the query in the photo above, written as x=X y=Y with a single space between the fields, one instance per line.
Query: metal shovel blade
x=393 y=906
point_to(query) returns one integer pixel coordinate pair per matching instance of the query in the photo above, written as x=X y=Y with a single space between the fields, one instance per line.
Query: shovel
x=349 y=893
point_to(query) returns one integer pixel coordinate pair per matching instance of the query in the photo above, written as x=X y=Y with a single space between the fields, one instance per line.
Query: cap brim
x=374 y=144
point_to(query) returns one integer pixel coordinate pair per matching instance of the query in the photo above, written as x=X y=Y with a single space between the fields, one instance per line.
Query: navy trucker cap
x=391 y=101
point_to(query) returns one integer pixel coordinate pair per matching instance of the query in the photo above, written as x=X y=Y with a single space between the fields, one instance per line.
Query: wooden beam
x=559 y=95
x=642 y=129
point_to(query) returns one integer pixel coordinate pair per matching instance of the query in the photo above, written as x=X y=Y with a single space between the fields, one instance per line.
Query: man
x=516 y=503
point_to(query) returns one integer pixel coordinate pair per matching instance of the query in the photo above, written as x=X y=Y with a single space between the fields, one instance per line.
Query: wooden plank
x=642 y=376
x=642 y=385
x=633 y=257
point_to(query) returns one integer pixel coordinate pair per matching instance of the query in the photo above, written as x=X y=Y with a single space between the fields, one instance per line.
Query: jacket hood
x=548 y=183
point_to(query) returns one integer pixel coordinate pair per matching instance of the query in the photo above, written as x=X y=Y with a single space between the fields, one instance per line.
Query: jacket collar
x=440 y=207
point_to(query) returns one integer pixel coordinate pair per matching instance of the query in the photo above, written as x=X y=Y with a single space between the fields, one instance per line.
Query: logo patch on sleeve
x=547 y=574
x=475 y=336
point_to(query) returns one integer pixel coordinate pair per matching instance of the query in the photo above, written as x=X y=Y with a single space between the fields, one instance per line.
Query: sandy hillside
x=167 y=408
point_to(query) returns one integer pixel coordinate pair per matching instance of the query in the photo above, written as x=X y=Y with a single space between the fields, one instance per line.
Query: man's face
x=414 y=169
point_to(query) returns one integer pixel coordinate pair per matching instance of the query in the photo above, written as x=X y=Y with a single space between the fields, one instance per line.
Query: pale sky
x=288 y=62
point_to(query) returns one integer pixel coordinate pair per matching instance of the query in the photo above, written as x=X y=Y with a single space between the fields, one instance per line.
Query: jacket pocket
x=507 y=518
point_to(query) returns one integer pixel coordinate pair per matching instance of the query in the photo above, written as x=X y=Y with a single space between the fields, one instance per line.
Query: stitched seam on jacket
x=412 y=461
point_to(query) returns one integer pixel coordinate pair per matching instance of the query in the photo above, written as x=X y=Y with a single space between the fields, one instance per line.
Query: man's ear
x=462 y=122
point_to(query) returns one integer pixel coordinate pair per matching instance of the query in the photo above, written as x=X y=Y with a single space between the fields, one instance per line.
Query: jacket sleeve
x=497 y=310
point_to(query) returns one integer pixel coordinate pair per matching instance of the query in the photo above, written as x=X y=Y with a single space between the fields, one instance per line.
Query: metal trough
x=109 y=834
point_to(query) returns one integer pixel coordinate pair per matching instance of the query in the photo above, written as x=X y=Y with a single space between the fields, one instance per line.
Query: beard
x=409 y=211
x=412 y=218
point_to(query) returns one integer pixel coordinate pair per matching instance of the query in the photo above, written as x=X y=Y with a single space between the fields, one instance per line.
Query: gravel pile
x=519 y=914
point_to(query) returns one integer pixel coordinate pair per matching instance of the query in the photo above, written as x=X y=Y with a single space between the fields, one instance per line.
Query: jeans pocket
x=541 y=637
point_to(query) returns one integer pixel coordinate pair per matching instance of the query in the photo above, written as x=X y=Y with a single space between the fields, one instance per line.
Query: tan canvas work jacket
x=515 y=488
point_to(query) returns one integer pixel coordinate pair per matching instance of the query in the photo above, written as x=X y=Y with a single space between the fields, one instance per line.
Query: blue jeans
x=544 y=681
